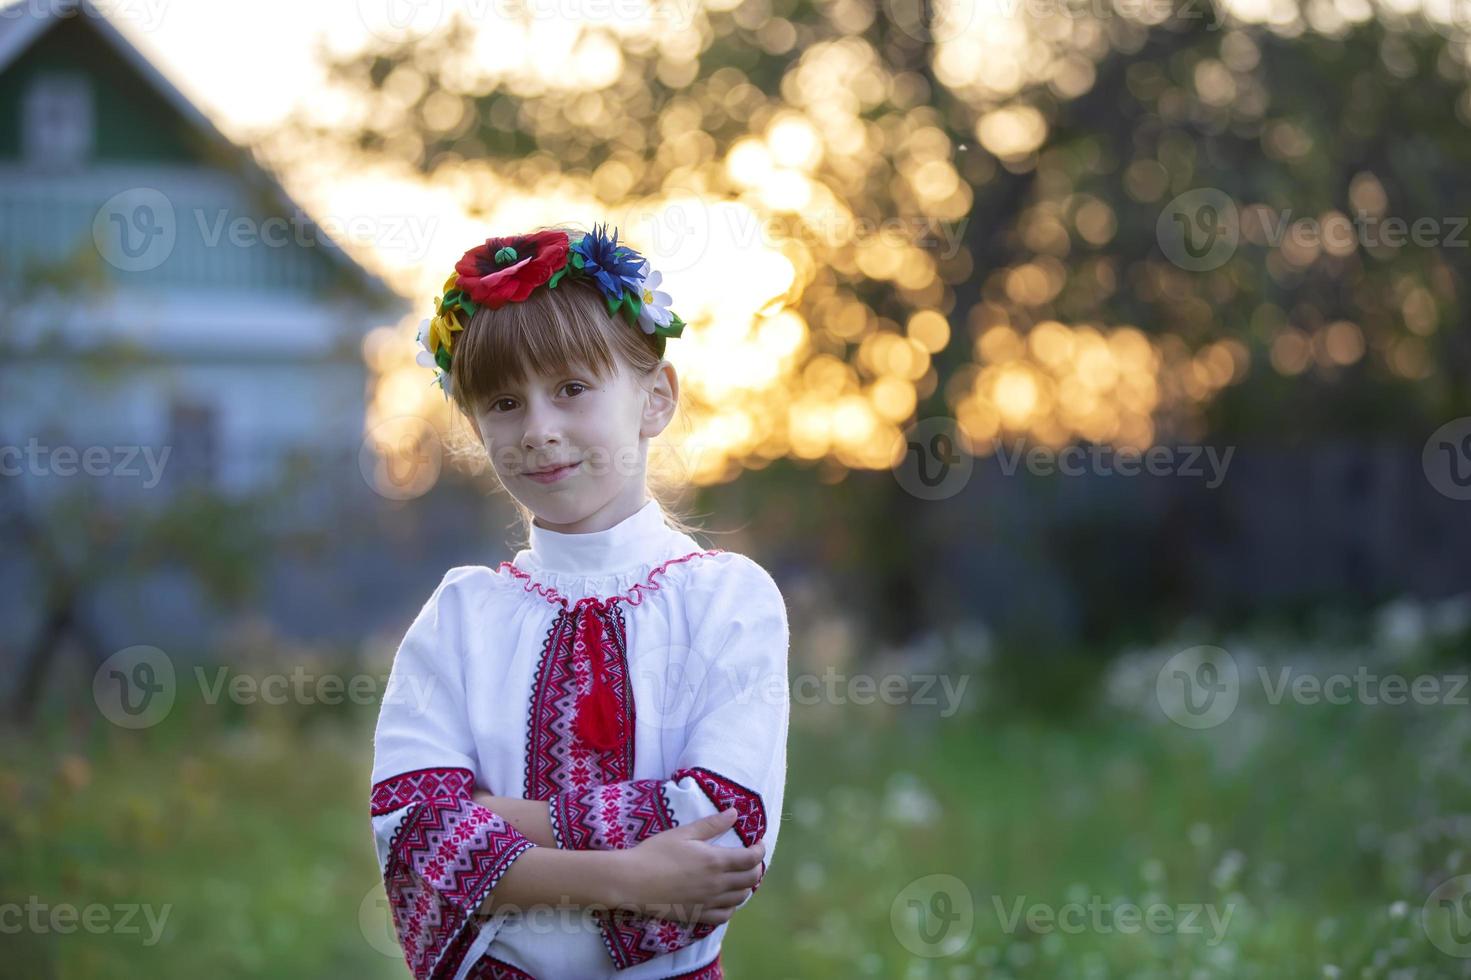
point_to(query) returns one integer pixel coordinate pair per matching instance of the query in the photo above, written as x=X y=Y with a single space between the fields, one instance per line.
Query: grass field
x=1291 y=840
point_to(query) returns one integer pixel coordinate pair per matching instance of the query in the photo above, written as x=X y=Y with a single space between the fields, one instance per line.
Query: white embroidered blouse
x=630 y=678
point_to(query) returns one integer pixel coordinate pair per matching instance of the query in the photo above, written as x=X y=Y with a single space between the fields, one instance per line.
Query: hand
x=677 y=874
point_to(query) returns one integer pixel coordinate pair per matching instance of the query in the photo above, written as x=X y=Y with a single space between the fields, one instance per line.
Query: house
x=159 y=289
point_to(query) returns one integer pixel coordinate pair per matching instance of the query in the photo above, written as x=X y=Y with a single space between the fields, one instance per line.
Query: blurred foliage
x=80 y=543
x=1303 y=822
x=1056 y=137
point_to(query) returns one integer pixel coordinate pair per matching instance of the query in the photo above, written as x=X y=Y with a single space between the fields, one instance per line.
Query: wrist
x=616 y=876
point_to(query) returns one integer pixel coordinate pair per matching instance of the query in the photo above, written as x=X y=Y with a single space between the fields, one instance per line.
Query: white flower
x=655 y=312
x=425 y=358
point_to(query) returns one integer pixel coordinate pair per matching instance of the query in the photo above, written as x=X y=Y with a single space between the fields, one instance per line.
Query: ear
x=663 y=399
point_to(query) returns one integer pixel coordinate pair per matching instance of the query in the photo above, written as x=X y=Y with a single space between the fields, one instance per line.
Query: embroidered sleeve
x=734 y=753
x=440 y=853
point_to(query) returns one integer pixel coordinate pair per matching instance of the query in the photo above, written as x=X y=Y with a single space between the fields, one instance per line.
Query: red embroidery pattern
x=561 y=766
x=634 y=596
x=632 y=939
x=612 y=816
x=421 y=784
x=557 y=757
x=750 y=823
x=445 y=857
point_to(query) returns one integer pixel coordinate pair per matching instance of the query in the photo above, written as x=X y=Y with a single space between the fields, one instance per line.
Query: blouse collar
x=638 y=539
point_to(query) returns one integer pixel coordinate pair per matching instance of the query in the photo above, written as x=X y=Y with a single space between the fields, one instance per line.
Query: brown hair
x=551 y=332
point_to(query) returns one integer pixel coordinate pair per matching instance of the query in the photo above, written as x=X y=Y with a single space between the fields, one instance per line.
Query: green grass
x=1308 y=823
x=254 y=836
x=1308 y=842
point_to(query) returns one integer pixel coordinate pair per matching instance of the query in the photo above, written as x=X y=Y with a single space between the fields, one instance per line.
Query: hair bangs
x=552 y=332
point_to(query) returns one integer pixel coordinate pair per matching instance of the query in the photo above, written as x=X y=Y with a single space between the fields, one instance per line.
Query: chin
x=556 y=508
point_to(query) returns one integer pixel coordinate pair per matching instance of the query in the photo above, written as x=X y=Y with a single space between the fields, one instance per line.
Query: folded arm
x=734 y=748
x=733 y=756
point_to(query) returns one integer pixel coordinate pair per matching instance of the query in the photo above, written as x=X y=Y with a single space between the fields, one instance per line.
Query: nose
x=541 y=429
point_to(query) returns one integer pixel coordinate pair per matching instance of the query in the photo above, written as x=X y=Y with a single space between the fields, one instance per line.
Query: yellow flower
x=449 y=283
x=442 y=329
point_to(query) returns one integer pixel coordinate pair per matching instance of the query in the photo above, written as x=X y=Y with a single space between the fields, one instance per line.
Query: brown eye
x=575 y=384
x=495 y=407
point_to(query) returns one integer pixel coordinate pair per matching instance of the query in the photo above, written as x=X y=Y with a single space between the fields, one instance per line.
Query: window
x=58 y=123
x=193 y=443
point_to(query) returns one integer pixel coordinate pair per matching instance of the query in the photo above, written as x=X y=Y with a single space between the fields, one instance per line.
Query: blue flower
x=613 y=267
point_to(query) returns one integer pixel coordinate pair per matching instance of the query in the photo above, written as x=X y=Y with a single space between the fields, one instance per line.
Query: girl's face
x=573 y=448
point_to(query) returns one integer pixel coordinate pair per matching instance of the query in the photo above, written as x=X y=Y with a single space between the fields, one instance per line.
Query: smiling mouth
x=553 y=474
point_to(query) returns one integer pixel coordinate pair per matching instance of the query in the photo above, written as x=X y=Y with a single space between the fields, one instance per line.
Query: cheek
x=499 y=446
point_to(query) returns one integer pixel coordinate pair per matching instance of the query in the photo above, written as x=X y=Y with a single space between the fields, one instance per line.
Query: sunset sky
x=214 y=51
x=763 y=388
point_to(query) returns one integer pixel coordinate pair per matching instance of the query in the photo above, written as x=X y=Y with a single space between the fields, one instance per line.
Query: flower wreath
x=507 y=270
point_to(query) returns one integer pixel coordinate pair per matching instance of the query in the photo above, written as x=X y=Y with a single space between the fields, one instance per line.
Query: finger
x=715 y=916
x=738 y=879
x=740 y=861
x=751 y=879
x=730 y=899
x=712 y=826
x=743 y=858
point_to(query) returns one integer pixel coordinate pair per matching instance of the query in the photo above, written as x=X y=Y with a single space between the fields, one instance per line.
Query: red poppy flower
x=506 y=270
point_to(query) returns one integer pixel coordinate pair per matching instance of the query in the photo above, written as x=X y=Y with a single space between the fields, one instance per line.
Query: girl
x=581 y=754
